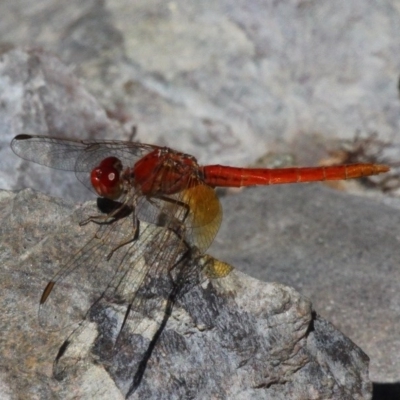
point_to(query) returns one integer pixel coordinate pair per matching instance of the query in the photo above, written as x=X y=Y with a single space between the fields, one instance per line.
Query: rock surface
x=232 y=337
x=227 y=82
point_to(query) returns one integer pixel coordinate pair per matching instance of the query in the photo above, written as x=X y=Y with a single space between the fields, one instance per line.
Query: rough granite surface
x=229 y=82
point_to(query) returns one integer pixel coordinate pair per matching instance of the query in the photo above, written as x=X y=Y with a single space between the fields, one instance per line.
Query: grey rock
x=227 y=82
x=231 y=337
x=339 y=250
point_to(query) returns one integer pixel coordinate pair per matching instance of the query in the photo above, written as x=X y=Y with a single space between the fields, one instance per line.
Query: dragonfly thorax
x=165 y=172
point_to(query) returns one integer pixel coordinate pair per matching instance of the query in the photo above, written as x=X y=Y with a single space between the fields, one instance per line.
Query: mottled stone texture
x=232 y=337
x=228 y=81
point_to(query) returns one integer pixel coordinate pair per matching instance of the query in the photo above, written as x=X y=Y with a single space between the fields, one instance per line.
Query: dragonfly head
x=106 y=178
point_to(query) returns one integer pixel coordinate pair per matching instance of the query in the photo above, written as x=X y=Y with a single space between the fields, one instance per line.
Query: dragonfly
x=157 y=185
x=164 y=186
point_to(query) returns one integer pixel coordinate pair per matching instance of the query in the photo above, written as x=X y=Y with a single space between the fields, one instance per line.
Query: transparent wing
x=72 y=155
x=81 y=156
x=112 y=266
x=136 y=280
x=51 y=152
x=122 y=263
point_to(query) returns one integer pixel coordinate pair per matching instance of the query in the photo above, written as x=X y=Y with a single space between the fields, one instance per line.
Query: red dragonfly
x=157 y=185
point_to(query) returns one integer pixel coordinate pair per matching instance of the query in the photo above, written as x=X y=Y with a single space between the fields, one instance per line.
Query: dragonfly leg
x=112 y=211
x=136 y=224
x=98 y=219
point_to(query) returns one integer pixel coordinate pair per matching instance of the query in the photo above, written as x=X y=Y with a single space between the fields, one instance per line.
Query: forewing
x=81 y=156
x=51 y=152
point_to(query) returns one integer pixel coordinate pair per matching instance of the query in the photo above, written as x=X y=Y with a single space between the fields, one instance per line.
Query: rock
x=339 y=250
x=230 y=337
x=228 y=82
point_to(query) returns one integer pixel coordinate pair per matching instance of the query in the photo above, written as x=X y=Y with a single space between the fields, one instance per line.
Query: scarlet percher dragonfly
x=157 y=185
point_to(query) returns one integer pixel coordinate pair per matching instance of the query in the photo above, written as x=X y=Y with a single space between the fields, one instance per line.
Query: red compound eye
x=106 y=178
